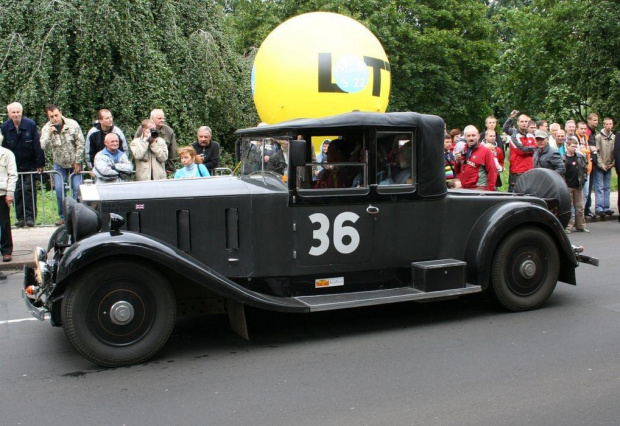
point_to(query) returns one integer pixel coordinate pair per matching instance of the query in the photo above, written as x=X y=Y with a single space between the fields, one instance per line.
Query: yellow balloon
x=319 y=64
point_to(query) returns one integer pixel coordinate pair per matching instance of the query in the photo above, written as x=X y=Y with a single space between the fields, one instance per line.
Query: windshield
x=269 y=154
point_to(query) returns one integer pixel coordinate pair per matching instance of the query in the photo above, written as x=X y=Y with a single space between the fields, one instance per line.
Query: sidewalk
x=24 y=242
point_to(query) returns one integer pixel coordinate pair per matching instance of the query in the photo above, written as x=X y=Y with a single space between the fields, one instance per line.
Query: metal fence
x=39 y=195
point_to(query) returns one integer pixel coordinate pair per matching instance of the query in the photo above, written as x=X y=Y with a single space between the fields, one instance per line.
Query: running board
x=328 y=302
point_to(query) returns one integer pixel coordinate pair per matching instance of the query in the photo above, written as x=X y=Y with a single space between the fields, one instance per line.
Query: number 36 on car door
x=332 y=235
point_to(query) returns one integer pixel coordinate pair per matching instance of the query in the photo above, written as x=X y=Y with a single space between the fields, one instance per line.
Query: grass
x=47 y=209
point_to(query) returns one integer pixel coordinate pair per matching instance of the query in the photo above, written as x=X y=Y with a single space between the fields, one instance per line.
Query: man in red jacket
x=478 y=170
x=522 y=147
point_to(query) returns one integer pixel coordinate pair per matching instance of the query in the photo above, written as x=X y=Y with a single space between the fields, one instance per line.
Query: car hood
x=182 y=188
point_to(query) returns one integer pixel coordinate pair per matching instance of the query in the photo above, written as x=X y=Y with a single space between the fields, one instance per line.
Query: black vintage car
x=374 y=224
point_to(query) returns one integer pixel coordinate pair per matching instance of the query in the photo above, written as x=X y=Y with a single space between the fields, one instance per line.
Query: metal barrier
x=37 y=197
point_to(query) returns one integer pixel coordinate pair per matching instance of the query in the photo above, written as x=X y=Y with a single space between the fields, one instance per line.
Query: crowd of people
x=104 y=153
x=581 y=153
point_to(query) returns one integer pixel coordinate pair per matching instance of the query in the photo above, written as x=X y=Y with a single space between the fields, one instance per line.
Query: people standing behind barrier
x=167 y=134
x=149 y=153
x=478 y=170
x=546 y=157
x=8 y=181
x=553 y=131
x=490 y=123
x=96 y=135
x=64 y=137
x=590 y=152
x=617 y=166
x=449 y=161
x=111 y=164
x=570 y=127
x=601 y=172
x=522 y=146
x=575 y=177
x=560 y=141
x=192 y=164
x=21 y=137
x=207 y=149
x=543 y=125
x=457 y=137
x=490 y=141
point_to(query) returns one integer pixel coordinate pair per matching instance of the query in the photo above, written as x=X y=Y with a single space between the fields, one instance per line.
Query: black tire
x=113 y=340
x=525 y=269
x=545 y=183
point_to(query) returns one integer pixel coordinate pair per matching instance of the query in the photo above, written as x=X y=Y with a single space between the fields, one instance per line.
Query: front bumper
x=582 y=258
x=34 y=306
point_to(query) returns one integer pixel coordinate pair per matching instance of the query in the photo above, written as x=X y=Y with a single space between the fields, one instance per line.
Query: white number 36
x=340 y=231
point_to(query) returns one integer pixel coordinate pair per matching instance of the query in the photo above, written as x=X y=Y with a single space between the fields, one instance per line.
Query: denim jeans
x=585 y=189
x=602 y=188
x=60 y=178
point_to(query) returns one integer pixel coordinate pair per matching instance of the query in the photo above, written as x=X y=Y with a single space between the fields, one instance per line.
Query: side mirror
x=298 y=153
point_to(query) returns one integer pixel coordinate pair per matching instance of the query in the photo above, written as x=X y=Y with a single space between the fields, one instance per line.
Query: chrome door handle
x=372 y=210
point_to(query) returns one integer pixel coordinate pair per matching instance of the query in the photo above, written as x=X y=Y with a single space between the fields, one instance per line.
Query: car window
x=265 y=154
x=395 y=163
x=339 y=162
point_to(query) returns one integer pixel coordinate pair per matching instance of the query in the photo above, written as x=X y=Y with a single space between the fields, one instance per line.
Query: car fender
x=109 y=245
x=499 y=221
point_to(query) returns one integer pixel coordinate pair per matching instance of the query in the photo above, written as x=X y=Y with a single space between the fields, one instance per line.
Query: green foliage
x=460 y=59
x=560 y=62
x=440 y=52
x=129 y=56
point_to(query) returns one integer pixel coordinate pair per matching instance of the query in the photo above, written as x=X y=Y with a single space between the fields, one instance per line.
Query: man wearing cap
x=575 y=177
x=546 y=157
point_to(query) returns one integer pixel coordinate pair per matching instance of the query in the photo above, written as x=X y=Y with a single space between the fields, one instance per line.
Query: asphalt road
x=459 y=362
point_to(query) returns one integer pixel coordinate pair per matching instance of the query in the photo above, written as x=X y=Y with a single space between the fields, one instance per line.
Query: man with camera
x=167 y=134
x=149 y=153
x=206 y=148
x=65 y=138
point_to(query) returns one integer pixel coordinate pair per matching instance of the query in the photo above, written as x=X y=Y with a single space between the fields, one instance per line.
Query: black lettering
x=325 y=74
x=377 y=65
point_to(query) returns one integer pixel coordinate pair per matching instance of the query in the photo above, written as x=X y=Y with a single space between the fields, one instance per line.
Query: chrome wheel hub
x=121 y=313
x=528 y=269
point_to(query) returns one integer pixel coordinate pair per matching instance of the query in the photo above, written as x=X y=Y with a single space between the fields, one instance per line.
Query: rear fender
x=499 y=221
x=109 y=246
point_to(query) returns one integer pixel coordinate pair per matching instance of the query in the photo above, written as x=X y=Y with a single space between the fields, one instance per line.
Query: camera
x=154 y=134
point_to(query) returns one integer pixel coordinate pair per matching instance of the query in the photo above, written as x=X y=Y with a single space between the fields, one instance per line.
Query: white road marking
x=17 y=320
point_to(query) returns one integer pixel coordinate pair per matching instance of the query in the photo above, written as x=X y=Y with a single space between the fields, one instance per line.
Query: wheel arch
x=496 y=223
x=168 y=260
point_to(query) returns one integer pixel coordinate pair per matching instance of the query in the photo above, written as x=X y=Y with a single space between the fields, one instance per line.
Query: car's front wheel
x=119 y=313
x=525 y=269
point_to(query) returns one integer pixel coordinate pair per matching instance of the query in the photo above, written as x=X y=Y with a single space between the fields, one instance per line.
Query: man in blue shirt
x=22 y=138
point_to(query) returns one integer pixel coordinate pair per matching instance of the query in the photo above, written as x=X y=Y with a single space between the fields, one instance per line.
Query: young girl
x=192 y=166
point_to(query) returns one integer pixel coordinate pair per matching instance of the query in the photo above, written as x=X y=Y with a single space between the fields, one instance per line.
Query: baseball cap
x=540 y=134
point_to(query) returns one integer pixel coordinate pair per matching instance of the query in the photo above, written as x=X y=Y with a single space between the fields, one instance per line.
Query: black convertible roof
x=351 y=119
x=429 y=138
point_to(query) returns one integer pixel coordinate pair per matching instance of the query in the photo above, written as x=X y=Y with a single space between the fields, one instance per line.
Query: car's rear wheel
x=119 y=313
x=525 y=269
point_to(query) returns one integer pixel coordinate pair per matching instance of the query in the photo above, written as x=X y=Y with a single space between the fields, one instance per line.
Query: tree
x=559 y=63
x=440 y=52
x=129 y=56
